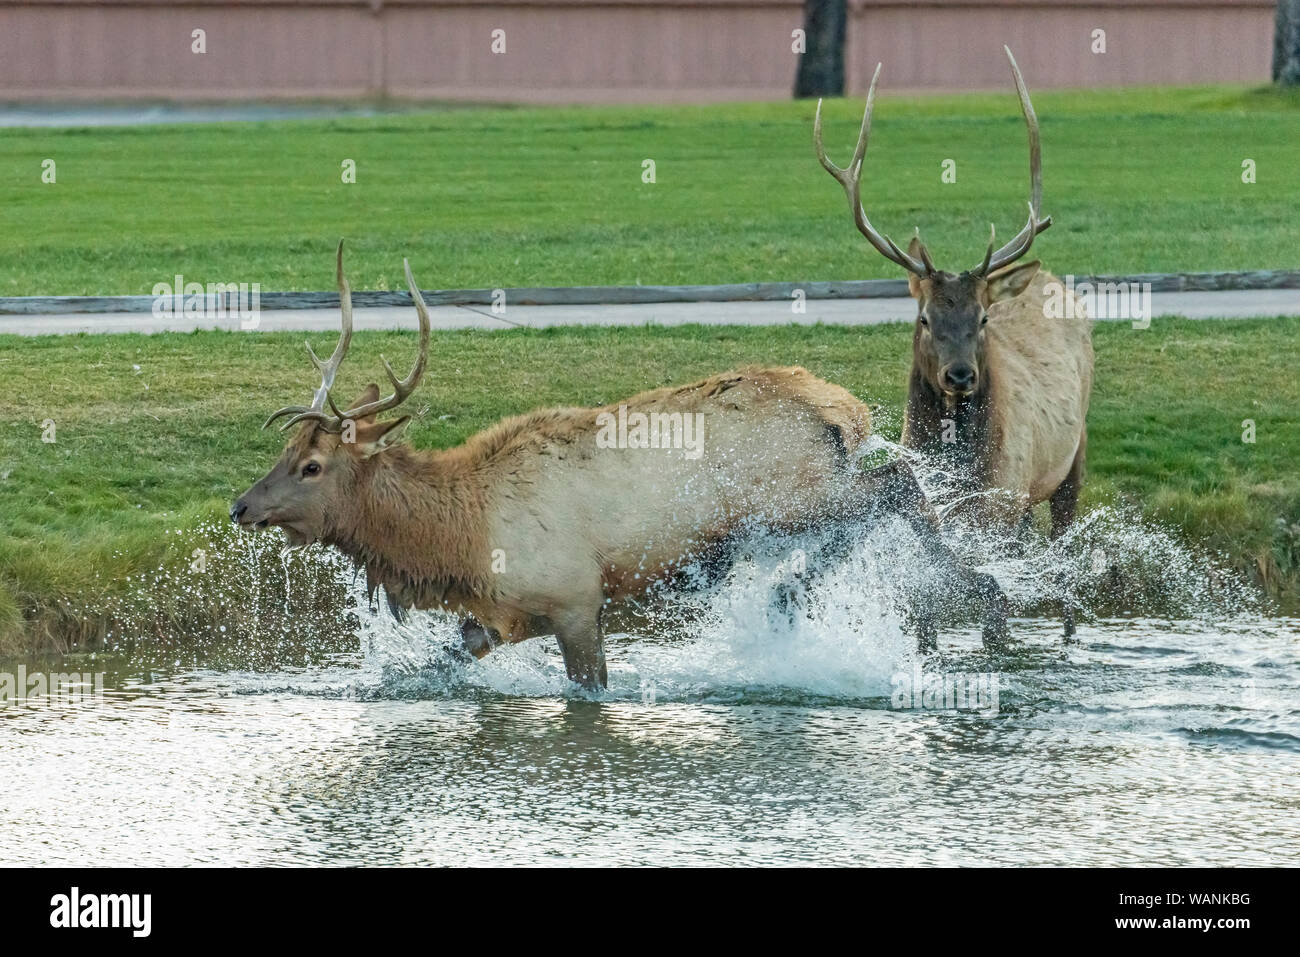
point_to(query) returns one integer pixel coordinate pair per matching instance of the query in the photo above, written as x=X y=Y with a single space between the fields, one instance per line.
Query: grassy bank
x=156 y=435
x=1137 y=180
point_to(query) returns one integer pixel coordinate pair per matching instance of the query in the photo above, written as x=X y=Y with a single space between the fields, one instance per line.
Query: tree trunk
x=821 y=66
x=1286 y=43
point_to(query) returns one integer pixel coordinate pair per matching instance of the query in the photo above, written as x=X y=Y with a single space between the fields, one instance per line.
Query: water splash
x=1112 y=561
x=229 y=598
x=794 y=615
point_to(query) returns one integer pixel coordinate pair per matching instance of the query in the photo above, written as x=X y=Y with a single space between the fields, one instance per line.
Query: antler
x=1025 y=238
x=402 y=388
x=851 y=180
x=333 y=421
x=328 y=370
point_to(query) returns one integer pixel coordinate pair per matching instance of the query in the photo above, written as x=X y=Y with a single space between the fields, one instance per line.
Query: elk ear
x=1010 y=282
x=370 y=394
x=374 y=437
x=913 y=280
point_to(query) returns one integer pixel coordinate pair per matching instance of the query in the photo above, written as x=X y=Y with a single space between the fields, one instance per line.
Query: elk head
x=314 y=483
x=952 y=308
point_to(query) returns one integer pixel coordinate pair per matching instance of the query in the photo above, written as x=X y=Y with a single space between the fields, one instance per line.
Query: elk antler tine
x=864 y=134
x=983 y=268
x=345 y=304
x=420 y=308
x=324 y=421
x=329 y=368
x=1017 y=247
x=1035 y=146
x=818 y=145
x=296 y=419
x=1021 y=242
x=422 y=311
x=851 y=181
x=894 y=248
x=392 y=376
x=287 y=410
x=1029 y=231
x=925 y=253
x=1026 y=236
x=316 y=360
x=402 y=388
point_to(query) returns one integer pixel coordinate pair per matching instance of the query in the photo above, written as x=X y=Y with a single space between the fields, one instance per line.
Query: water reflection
x=1149 y=742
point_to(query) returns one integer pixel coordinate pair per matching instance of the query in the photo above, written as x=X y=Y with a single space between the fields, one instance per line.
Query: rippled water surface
x=1147 y=742
x=737 y=728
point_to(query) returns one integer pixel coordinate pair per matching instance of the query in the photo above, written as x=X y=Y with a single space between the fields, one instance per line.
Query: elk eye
x=924 y=321
x=984 y=319
x=311 y=468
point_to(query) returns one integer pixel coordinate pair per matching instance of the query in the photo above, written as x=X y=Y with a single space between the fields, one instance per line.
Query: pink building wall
x=603 y=50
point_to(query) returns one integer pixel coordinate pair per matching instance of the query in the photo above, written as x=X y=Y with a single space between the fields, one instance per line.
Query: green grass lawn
x=158 y=434
x=1137 y=180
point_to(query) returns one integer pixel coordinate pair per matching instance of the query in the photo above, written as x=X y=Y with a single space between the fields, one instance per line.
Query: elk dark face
x=952 y=318
x=952 y=308
x=318 y=487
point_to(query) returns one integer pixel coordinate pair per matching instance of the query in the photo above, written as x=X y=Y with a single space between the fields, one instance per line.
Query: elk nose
x=237 y=510
x=960 y=377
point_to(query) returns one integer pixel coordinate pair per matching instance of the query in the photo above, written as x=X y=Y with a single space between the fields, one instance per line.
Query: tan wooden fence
x=602 y=50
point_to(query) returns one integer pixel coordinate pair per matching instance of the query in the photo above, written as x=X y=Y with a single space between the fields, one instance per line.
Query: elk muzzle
x=247 y=512
x=266 y=502
x=959 y=379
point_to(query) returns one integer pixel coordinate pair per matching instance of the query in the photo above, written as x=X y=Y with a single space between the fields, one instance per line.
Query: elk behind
x=998 y=391
x=531 y=526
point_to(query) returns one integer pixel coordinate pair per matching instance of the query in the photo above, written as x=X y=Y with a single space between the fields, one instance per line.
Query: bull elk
x=998 y=391
x=532 y=526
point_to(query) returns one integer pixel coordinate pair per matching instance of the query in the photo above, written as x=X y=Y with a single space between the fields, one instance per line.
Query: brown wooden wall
x=603 y=50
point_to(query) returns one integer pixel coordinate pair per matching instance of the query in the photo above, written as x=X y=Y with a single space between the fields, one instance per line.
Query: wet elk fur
x=530 y=526
x=1021 y=430
x=999 y=387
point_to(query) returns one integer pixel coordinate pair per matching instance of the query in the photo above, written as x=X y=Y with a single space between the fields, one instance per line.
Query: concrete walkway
x=1195 y=305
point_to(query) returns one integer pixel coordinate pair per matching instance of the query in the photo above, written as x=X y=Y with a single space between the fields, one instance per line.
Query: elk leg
x=1064 y=504
x=395 y=608
x=893 y=489
x=1024 y=531
x=478 y=639
x=578 y=634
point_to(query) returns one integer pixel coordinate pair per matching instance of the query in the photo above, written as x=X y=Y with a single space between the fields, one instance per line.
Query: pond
x=1148 y=741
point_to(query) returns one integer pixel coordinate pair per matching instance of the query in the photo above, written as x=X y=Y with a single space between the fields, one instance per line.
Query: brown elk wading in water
x=573 y=522
x=999 y=388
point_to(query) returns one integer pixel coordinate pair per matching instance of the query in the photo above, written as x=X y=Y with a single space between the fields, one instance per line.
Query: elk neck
x=417 y=523
x=966 y=423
